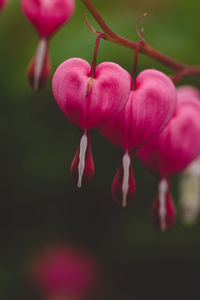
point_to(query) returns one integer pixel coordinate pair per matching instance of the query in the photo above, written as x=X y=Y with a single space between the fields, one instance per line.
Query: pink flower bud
x=48 y=15
x=163 y=211
x=89 y=102
x=149 y=109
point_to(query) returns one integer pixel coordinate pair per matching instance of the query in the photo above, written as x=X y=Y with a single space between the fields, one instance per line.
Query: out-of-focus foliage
x=39 y=201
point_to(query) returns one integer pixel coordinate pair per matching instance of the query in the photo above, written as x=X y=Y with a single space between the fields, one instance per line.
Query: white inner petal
x=194 y=168
x=126 y=161
x=39 y=60
x=82 y=153
x=190 y=197
x=162 y=190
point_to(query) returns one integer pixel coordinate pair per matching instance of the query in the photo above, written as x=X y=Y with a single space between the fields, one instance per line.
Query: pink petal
x=178 y=145
x=48 y=16
x=187 y=92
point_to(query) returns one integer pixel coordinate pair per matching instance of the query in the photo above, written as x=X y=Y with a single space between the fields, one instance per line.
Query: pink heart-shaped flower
x=178 y=144
x=90 y=102
x=147 y=112
x=48 y=15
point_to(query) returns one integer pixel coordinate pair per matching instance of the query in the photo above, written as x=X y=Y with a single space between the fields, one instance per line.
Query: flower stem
x=96 y=48
x=135 y=64
x=146 y=49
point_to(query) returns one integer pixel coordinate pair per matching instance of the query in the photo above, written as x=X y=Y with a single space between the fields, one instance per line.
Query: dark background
x=39 y=201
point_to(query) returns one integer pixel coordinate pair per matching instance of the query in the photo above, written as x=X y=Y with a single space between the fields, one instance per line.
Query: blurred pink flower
x=64 y=273
x=2 y=3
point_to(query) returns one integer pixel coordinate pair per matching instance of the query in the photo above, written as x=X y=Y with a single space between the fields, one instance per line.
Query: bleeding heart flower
x=46 y=16
x=148 y=110
x=2 y=4
x=88 y=102
x=176 y=147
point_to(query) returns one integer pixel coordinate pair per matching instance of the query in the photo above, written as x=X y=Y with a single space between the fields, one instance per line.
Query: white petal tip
x=79 y=185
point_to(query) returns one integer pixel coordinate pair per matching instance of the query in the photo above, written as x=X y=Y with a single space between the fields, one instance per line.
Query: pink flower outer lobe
x=186 y=92
x=179 y=143
x=148 y=110
x=107 y=97
x=48 y=15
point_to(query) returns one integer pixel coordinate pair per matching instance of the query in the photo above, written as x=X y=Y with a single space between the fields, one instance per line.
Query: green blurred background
x=39 y=200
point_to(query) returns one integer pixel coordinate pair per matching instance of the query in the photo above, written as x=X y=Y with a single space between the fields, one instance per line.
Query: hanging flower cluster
x=127 y=113
x=141 y=112
x=144 y=115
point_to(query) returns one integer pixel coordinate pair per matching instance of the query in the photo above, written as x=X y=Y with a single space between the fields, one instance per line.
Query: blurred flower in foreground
x=64 y=273
x=2 y=3
x=190 y=193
